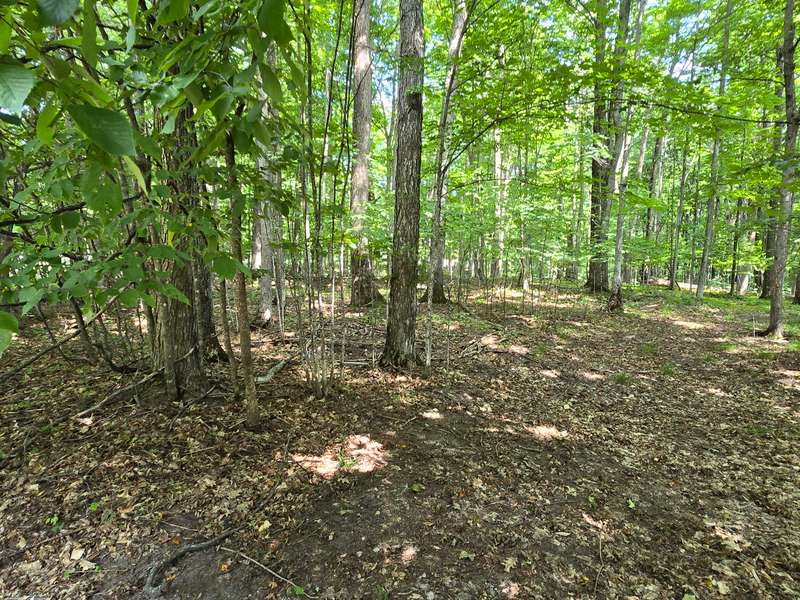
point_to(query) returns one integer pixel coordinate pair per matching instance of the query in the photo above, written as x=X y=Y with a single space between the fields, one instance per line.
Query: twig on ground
x=268 y=570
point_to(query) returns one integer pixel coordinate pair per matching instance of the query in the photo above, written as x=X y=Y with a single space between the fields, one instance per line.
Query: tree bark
x=237 y=207
x=786 y=194
x=399 y=349
x=363 y=291
x=597 y=280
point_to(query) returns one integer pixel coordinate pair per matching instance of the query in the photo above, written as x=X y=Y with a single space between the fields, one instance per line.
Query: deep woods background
x=202 y=199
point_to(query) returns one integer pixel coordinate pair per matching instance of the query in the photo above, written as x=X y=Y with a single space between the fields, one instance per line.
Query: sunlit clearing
x=550 y=373
x=546 y=433
x=688 y=324
x=408 y=553
x=711 y=391
x=788 y=379
x=589 y=376
x=601 y=525
x=434 y=414
x=510 y=589
x=359 y=454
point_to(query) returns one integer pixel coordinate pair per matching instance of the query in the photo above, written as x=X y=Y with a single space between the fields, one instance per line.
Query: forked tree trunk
x=363 y=289
x=399 y=349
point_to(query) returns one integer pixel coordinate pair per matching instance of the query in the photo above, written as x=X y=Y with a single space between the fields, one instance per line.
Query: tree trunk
x=237 y=206
x=713 y=198
x=399 y=349
x=499 y=208
x=597 y=280
x=364 y=291
x=621 y=149
x=676 y=241
x=786 y=194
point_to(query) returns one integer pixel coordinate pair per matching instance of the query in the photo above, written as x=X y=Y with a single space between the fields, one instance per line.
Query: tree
x=785 y=192
x=399 y=349
x=364 y=290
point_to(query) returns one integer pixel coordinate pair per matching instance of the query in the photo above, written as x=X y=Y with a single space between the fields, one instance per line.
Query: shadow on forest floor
x=555 y=451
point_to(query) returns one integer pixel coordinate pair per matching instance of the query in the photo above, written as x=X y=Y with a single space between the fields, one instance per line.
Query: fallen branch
x=275 y=369
x=49 y=349
x=152 y=585
x=120 y=391
x=270 y=571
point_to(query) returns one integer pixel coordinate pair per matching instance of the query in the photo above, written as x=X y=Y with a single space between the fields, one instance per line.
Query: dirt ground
x=555 y=451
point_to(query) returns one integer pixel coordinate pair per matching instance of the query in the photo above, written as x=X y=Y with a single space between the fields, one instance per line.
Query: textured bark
x=363 y=291
x=597 y=280
x=207 y=340
x=251 y=402
x=713 y=199
x=786 y=194
x=399 y=349
x=176 y=324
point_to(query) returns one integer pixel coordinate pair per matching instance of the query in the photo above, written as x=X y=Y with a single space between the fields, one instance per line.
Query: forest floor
x=555 y=451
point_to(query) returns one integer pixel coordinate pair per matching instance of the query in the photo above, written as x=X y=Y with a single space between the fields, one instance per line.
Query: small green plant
x=649 y=348
x=298 y=590
x=94 y=506
x=668 y=369
x=345 y=462
x=621 y=378
x=55 y=523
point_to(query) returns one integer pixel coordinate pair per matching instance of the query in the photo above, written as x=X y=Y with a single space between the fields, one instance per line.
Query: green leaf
x=106 y=128
x=55 y=12
x=271 y=85
x=172 y=11
x=44 y=128
x=136 y=172
x=89 y=37
x=5 y=36
x=224 y=266
x=16 y=82
x=5 y=340
x=416 y=488
x=8 y=322
x=270 y=20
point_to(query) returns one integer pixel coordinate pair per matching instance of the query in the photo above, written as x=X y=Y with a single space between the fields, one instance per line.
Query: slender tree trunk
x=621 y=149
x=237 y=207
x=499 y=208
x=775 y=327
x=713 y=198
x=399 y=349
x=364 y=291
x=435 y=292
x=676 y=238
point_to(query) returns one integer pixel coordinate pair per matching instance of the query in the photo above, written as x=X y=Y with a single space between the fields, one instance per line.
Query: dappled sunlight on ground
x=550 y=373
x=589 y=376
x=546 y=433
x=359 y=454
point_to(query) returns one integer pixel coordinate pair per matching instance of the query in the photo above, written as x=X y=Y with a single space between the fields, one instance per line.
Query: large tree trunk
x=597 y=280
x=176 y=348
x=237 y=206
x=401 y=324
x=364 y=290
x=713 y=198
x=786 y=194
